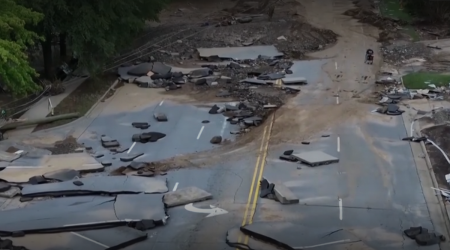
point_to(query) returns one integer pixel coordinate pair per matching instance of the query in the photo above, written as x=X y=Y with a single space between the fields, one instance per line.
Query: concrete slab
x=146 y=207
x=98 y=185
x=241 y=53
x=316 y=158
x=8 y=157
x=81 y=213
x=185 y=196
x=284 y=194
x=81 y=162
x=281 y=234
x=235 y=239
x=62 y=175
x=109 y=238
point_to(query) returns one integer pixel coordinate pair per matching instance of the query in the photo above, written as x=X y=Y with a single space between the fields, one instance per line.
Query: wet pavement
x=374 y=191
x=185 y=132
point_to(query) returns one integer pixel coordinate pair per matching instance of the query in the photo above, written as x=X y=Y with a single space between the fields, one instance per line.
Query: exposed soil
x=180 y=33
x=439 y=135
x=81 y=99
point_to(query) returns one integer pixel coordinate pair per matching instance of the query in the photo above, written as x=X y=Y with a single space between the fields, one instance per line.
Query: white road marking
x=224 y=125
x=175 y=187
x=91 y=240
x=412 y=129
x=324 y=244
x=337 y=100
x=131 y=148
x=161 y=103
x=200 y=133
x=340 y=209
x=335 y=65
x=338 y=144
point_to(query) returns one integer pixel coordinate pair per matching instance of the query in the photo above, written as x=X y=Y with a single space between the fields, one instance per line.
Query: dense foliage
x=93 y=30
x=16 y=75
x=430 y=11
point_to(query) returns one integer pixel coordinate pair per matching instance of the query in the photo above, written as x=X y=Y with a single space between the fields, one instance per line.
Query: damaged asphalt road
x=84 y=213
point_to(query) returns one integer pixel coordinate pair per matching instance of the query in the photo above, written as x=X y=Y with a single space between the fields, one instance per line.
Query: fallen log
x=14 y=125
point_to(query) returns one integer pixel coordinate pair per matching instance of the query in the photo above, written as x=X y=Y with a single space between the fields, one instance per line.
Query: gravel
x=65 y=146
x=396 y=54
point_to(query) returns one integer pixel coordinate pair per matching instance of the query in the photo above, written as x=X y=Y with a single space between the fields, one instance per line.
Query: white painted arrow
x=213 y=211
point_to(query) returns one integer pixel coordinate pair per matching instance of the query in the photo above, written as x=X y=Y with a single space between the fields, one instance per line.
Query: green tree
x=16 y=75
x=106 y=27
x=95 y=30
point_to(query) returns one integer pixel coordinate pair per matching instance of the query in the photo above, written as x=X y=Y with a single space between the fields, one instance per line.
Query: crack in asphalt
x=240 y=184
x=403 y=236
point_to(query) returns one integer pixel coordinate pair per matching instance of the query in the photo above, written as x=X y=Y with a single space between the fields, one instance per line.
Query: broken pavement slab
x=82 y=162
x=107 y=238
x=62 y=175
x=315 y=158
x=8 y=157
x=161 y=117
x=83 y=213
x=143 y=69
x=185 y=196
x=235 y=239
x=281 y=234
x=284 y=195
x=241 y=53
x=98 y=185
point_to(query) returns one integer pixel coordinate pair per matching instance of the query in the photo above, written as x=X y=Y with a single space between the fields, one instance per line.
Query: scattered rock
x=216 y=140
x=78 y=183
x=214 y=110
x=288 y=152
x=161 y=117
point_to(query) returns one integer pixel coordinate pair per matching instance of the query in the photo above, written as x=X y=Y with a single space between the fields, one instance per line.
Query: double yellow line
x=257 y=175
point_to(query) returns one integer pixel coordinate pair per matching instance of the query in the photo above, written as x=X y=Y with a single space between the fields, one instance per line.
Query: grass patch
x=81 y=99
x=393 y=9
x=419 y=80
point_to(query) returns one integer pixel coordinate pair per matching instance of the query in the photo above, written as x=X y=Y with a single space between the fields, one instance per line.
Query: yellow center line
x=252 y=186
x=261 y=170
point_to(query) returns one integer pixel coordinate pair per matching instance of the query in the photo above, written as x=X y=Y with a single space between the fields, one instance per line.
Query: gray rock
x=234 y=65
x=200 y=73
x=244 y=19
x=216 y=140
x=161 y=117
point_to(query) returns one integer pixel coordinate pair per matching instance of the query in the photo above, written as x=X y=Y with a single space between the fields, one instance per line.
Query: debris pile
x=423 y=237
x=151 y=75
x=396 y=54
x=92 y=206
x=390 y=109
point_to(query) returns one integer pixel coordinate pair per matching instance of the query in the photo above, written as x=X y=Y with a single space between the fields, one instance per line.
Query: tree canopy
x=106 y=26
x=431 y=11
x=16 y=75
x=94 y=30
